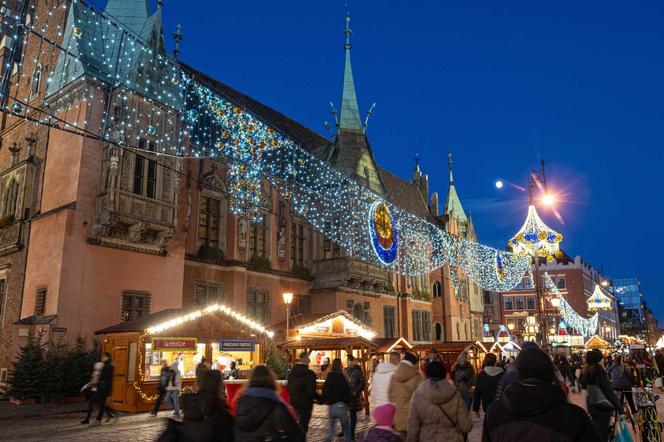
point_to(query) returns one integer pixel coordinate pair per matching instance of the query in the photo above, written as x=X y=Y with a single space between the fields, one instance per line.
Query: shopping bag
x=622 y=433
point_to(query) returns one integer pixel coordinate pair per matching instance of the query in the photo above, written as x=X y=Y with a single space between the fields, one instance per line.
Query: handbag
x=622 y=433
x=597 y=399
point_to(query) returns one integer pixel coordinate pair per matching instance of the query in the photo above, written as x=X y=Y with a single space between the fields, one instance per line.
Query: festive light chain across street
x=188 y=119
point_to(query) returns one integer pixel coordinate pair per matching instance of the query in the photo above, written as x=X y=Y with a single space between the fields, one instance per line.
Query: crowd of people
x=522 y=398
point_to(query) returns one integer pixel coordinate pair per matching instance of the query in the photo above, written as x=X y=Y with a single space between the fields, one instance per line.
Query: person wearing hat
x=383 y=430
x=593 y=375
x=403 y=384
x=535 y=408
x=356 y=383
x=437 y=411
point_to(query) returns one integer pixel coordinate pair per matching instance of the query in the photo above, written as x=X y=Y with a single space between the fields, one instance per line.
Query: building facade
x=92 y=234
x=627 y=291
x=576 y=280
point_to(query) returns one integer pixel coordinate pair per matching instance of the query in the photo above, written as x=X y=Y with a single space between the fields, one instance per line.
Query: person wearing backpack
x=161 y=388
x=622 y=380
x=601 y=400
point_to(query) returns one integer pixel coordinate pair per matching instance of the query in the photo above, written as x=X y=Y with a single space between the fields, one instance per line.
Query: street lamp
x=555 y=302
x=288 y=299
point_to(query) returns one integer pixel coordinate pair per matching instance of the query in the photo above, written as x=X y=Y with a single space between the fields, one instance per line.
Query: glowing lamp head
x=288 y=297
x=499 y=184
x=555 y=302
x=510 y=326
x=548 y=199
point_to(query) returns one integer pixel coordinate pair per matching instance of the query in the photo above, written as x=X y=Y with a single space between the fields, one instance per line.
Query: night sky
x=503 y=84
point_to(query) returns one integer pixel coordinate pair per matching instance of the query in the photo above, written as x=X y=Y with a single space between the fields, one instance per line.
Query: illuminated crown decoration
x=535 y=238
x=598 y=300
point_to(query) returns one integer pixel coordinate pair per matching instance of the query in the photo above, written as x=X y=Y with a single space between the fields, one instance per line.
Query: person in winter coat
x=384 y=430
x=594 y=374
x=173 y=387
x=403 y=384
x=161 y=388
x=356 y=383
x=535 y=407
x=262 y=414
x=206 y=416
x=302 y=390
x=487 y=383
x=201 y=369
x=622 y=381
x=337 y=395
x=464 y=377
x=91 y=390
x=380 y=381
x=437 y=411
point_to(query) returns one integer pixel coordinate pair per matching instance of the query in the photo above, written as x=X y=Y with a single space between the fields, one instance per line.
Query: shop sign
x=238 y=345
x=59 y=329
x=174 y=344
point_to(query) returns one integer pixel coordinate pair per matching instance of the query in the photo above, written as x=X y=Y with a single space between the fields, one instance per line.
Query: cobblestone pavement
x=52 y=422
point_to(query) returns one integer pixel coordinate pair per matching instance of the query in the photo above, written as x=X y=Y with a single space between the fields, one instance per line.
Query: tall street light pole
x=288 y=299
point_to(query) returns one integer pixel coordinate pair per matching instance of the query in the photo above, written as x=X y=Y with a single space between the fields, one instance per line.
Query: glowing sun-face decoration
x=383 y=232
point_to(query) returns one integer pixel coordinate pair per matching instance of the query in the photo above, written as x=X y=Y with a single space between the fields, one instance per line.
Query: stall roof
x=386 y=345
x=445 y=347
x=365 y=329
x=331 y=343
x=146 y=321
x=596 y=342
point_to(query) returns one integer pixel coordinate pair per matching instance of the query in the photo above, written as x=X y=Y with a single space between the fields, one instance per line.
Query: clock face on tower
x=383 y=232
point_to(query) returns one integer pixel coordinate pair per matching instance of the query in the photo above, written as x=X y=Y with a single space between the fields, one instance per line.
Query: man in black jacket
x=536 y=408
x=302 y=390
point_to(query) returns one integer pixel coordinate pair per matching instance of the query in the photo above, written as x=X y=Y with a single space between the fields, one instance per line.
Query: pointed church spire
x=453 y=204
x=349 y=118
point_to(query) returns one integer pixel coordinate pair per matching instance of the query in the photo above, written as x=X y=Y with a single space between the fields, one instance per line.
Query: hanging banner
x=174 y=344
x=238 y=344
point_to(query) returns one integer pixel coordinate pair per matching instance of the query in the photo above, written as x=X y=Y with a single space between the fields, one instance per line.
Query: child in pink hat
x=383 y=431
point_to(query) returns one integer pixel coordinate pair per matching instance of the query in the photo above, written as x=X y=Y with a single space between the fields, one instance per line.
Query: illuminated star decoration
x=536 y=239
x=598 y=300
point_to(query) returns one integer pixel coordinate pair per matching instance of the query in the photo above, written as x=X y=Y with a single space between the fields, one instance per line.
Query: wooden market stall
x=384 y=346
x=596 y=342
x=336 y=335
x=450 y=351
x=174 y=335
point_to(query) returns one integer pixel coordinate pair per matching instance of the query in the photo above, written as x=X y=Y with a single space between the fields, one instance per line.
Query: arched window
x=437 y=290
x=358 y=311
x=439 y=331
x=36 y=79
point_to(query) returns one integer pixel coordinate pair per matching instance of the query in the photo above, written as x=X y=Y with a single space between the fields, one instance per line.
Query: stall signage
x=238 y=345
x=59 y=329
x=174 y=344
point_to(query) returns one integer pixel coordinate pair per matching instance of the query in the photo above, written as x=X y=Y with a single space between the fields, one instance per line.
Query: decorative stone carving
x=242 y=234
x=281 y=244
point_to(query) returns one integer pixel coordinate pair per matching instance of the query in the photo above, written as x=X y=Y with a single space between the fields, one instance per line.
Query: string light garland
x=147 y=94
x=585 y=326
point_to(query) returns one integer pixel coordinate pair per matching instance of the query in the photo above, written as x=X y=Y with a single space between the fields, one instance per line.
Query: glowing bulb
x=499 y=184
x=548 y=199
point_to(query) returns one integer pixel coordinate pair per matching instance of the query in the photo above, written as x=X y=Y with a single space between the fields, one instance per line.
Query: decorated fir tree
x=55 y=372
x=276 y=363
x=79 y=367
x=26 y=377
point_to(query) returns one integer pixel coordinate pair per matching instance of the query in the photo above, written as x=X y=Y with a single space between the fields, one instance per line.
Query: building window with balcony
x=145 y=177
x=389 y=321
x=135 y=305
x=509 y=303
x=258 y=238
x=208 y=293
x=530 y=303
x=297 y=244
x=258 y=304
x=209 y=221
x=519 y=303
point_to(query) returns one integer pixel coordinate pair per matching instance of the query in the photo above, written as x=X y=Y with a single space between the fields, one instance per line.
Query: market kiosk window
x=244 y=352
x=186 y=351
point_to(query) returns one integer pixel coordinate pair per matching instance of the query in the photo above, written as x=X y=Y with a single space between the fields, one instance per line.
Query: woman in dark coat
x=206 y=416
x=487 y=383
x=262 y=414
x=356 y=383
x=336 y=393
x=594 y=374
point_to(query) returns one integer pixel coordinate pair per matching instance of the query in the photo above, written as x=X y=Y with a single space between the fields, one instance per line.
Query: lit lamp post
x=288 y=299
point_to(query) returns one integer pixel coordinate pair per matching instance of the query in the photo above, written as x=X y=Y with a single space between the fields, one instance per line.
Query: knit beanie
x=594 y=356
x=435 y=370
x=411 y=358
x=534 y=363
x=384 y=415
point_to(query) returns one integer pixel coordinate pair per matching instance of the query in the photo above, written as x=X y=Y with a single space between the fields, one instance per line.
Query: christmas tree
x=55 y=371
x=79 y=367
x=276 y=363
x=26 y=376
